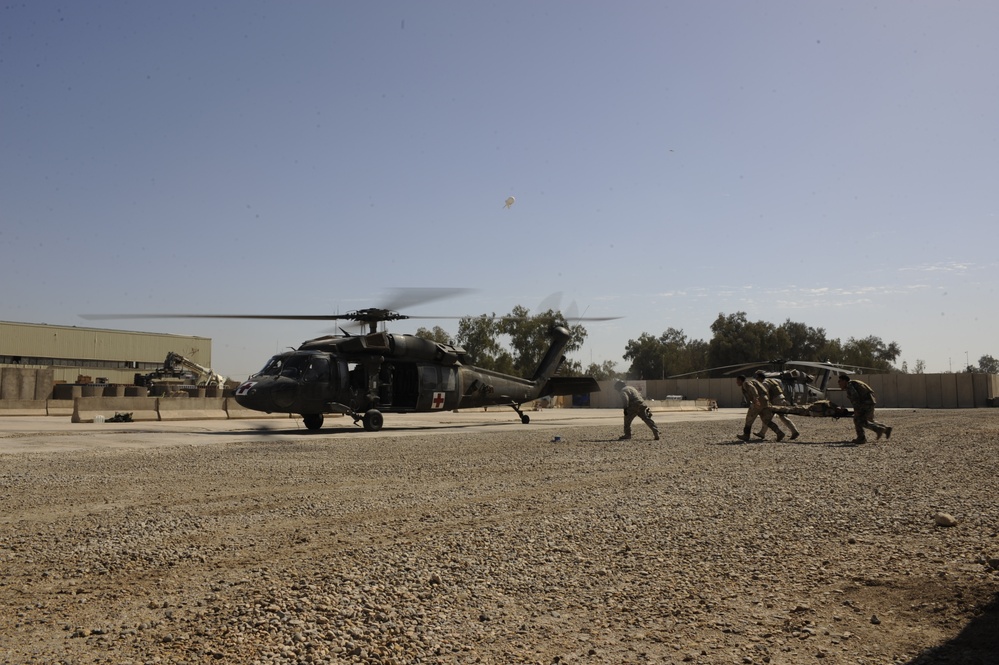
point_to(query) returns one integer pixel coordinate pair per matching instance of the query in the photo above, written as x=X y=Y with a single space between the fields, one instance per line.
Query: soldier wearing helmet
x=635 y=406
x=759 y=405
x=862 y=397
x=775 y=391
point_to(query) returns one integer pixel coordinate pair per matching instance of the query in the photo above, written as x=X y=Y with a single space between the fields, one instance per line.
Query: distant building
x=93 y=355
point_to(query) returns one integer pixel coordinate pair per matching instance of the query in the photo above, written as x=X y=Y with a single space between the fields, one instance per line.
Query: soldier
x=862 y=398
x=634 y=406
x=775 y=390
x=759 y=405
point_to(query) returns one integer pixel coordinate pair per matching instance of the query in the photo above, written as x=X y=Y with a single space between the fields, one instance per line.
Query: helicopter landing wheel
x=313 y=421
x=373 y=420
x=524 y=418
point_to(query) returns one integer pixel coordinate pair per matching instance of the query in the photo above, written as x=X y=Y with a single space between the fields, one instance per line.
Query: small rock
x=875 y=620
x=944 y=519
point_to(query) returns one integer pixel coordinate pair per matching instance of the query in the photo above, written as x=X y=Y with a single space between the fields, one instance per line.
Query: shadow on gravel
x=799 y=442
x=346 y=429
x=977 y=644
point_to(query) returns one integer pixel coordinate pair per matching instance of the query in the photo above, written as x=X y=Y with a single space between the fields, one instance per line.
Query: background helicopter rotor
x=777 y=364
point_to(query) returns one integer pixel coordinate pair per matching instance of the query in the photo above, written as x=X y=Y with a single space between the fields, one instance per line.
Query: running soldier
x=759 y=406
x=862 y=398
x=775 y=390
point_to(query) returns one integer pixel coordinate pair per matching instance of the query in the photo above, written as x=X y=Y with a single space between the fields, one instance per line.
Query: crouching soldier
x=759 y=406
x=635 y=406
x=775 y=391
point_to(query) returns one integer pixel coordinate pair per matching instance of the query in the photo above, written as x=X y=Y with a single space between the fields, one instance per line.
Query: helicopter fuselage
x=365 y=376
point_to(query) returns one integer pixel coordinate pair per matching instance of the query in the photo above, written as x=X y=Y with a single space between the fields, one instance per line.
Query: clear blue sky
x=836 y=164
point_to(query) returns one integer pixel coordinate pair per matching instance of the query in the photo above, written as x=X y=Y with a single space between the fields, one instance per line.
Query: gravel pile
x=510 y=548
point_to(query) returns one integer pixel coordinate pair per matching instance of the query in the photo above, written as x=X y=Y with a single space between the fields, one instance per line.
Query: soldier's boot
x=744 y=436
x=888 y=433
x=760 y=435
x=780 y=434
x=795 y=434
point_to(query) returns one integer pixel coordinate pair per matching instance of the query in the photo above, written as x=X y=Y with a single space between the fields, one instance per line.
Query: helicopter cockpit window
x=318 y=370
x=296 y=366
x=273 y=367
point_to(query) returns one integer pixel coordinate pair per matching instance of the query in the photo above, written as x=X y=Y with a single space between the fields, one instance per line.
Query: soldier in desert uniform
x=635 y=406
x=775 y=390
x=862 y=398
x=759 y=406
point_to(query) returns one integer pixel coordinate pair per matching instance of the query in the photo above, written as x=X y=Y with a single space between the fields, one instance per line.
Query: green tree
x=870 y=352
x=667 y=355
x=988 y=364
x=438 y=335
x=530 y=337
x=603 y=371
x=736 y=340
x=804 y=342
x=478 y=336
x=647 y=357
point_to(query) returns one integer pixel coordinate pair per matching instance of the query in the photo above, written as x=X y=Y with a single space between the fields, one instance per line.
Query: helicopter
x=801 y=386
x=366 y=375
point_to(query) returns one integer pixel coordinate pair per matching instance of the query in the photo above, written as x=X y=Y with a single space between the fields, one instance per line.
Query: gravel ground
x=458 y=547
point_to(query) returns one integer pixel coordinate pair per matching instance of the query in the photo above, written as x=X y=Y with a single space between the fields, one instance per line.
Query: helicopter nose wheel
x=373 y=420
x=313 y=421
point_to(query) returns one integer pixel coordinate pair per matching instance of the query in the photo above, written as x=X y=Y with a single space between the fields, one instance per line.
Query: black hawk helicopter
x=366 y=375
x=801 y=386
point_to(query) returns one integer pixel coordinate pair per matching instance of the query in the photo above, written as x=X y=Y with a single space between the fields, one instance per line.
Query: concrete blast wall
x=917 y=391
x=87 y=409
x=25 y=383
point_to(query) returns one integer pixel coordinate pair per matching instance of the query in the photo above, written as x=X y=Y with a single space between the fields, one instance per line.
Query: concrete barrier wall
x=24 y=407
x=56 y=407
x=85 y=409
x=191 y=408
x=162 y=408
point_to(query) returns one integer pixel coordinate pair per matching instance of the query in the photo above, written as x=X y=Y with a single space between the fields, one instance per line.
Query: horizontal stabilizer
x=570 y=385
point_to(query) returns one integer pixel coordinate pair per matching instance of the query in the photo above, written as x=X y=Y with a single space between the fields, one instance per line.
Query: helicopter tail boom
x=570 y=385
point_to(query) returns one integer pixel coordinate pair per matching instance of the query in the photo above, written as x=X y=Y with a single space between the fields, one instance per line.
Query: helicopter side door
x=438 y=388
x=315 y=382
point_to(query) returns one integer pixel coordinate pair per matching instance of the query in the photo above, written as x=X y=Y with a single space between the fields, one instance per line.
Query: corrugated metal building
x=106 y=356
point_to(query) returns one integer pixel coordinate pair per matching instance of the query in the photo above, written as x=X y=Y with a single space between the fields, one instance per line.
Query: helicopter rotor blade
x=289 y=317
x=406 y=297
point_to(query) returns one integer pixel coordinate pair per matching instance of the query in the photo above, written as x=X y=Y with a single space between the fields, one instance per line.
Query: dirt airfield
x=471 y=538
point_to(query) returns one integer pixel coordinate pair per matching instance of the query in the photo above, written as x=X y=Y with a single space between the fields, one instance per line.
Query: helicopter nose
x=247 y=394
x=267 y=394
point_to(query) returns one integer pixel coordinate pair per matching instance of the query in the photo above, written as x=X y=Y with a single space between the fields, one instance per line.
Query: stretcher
x=823 y=408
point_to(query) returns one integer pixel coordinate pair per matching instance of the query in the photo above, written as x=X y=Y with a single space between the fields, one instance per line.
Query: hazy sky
x=836 y=164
